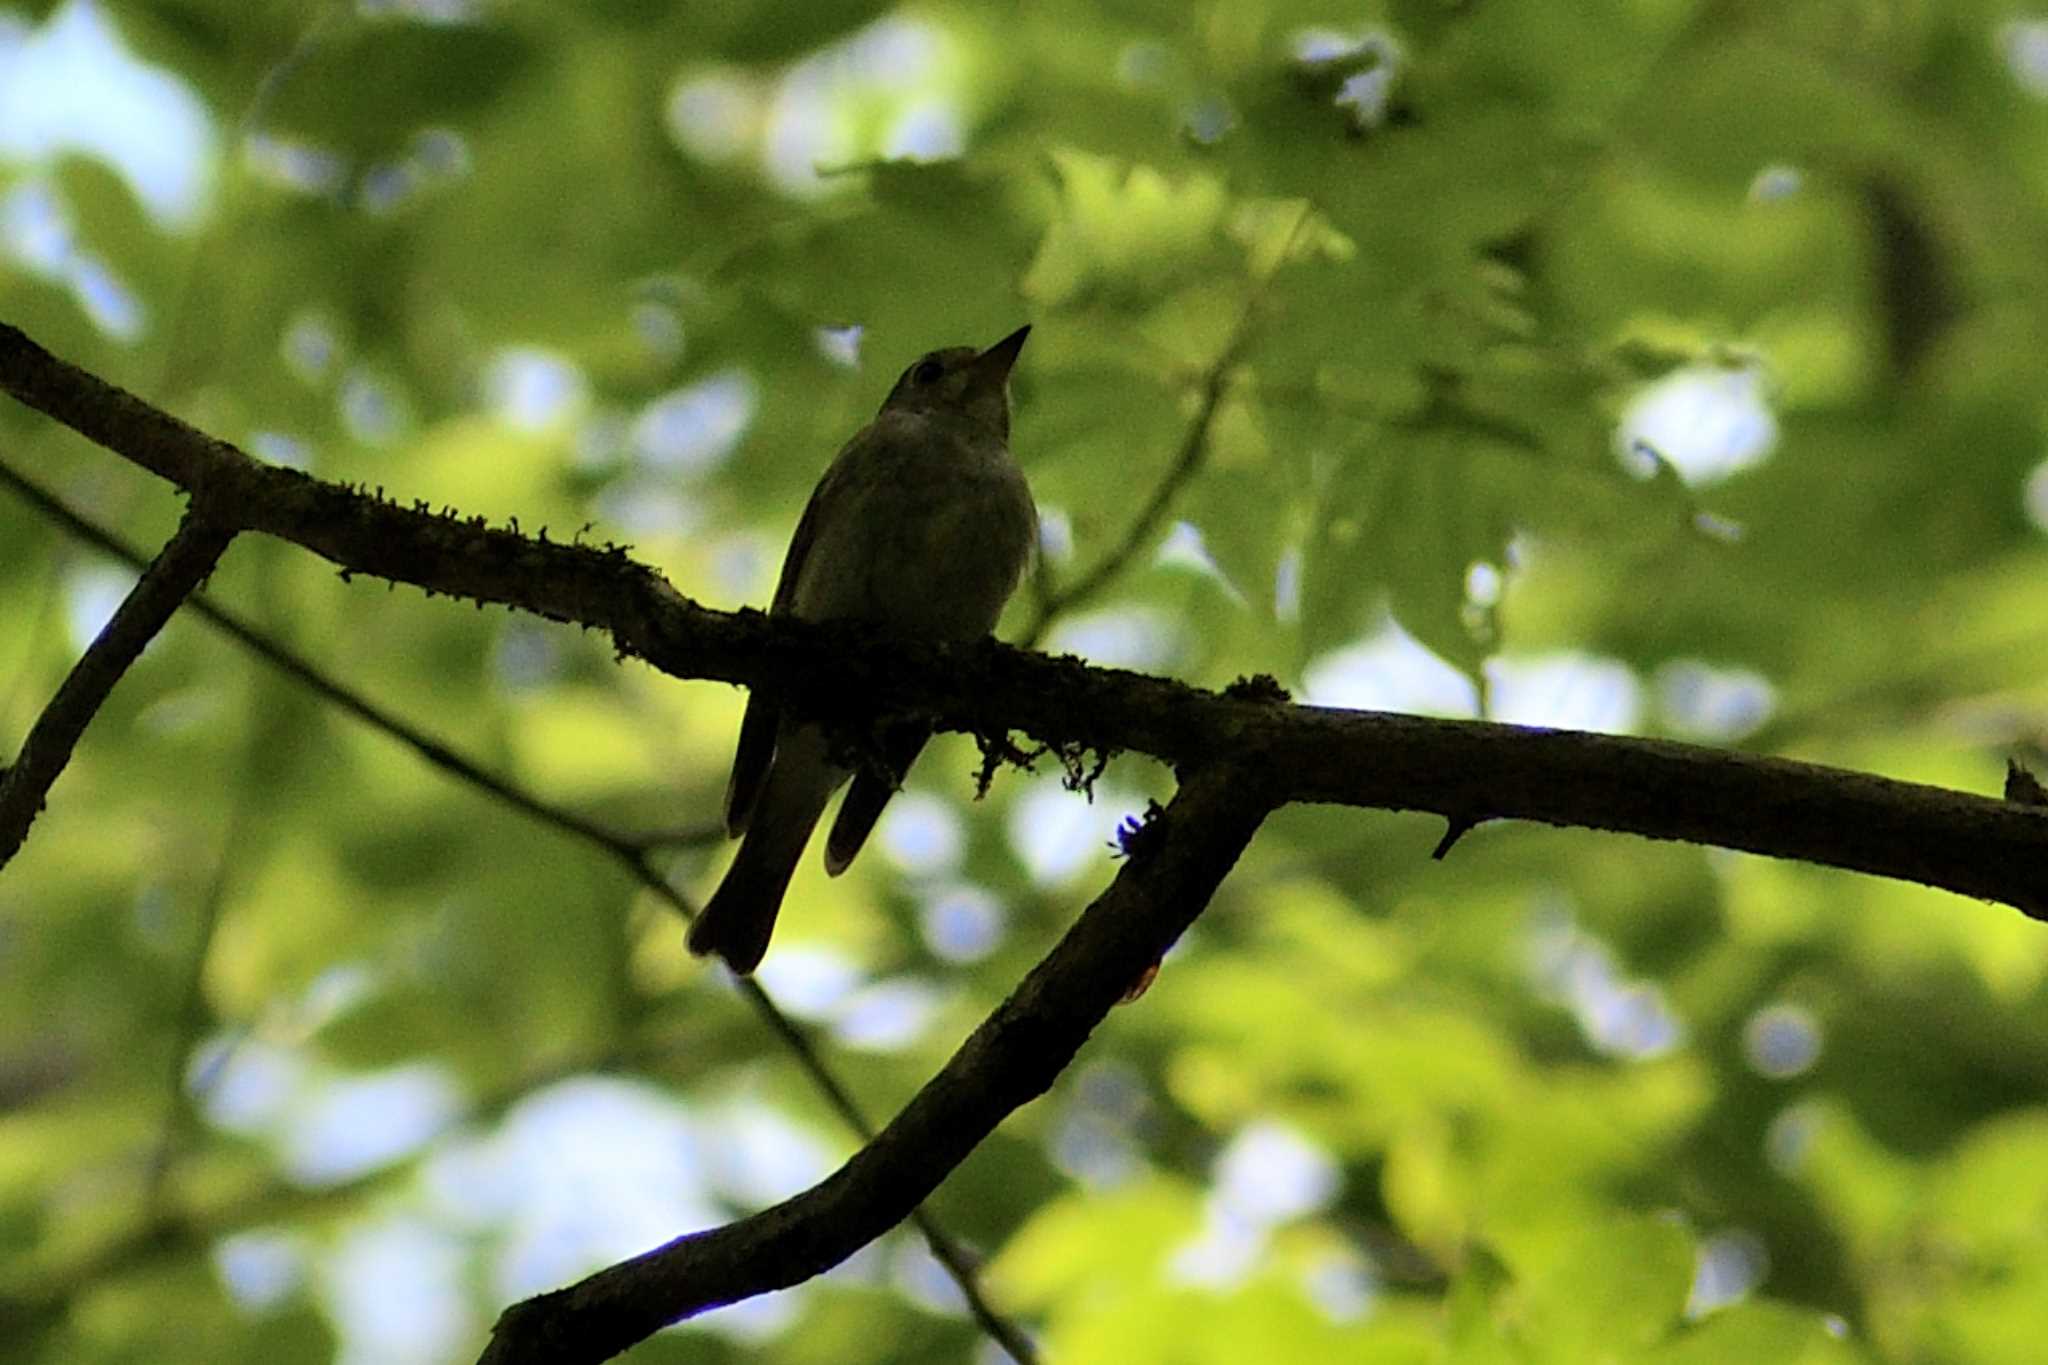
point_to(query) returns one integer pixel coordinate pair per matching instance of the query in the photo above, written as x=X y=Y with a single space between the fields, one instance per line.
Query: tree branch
x=1275 y=752
x=1460 y=770
x=1013 y=1057
x=186 y=560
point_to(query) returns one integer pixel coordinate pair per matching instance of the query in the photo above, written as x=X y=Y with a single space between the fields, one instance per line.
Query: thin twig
x=1052 y=600
x=303 y=671
x=707 y=834
x=946 y=1249
x=1194 y=447
x=188 y=338
x=631 y=854
x=169 y=580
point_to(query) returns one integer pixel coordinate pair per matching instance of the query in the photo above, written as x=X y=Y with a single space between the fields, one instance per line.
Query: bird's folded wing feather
x=873 y=785
x=756 y=748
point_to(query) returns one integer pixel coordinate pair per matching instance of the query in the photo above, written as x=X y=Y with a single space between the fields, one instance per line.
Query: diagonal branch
x=1463 y=771
x=947 y=1250
x=1176 y=864
x=186 y=560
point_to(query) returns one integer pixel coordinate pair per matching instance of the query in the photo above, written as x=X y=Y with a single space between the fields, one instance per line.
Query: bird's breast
x=929 y=537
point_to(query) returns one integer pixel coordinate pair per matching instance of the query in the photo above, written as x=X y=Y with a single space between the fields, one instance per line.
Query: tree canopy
x=1662 y=373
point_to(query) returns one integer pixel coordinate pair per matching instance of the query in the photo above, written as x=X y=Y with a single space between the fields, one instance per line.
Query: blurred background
x=1664 y=367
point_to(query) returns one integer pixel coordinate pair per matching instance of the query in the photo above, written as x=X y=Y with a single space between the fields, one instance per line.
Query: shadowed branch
x=1012 y=1058
x=185 y=562
x=1467 y=772
x=1457 y=769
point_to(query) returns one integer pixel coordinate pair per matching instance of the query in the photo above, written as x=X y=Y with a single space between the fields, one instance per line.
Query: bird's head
x=962 y=381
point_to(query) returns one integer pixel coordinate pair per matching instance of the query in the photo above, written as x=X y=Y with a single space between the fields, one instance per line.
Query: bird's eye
x=927 y=372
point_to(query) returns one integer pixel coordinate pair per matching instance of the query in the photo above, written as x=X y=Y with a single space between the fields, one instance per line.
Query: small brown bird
x=923 y=525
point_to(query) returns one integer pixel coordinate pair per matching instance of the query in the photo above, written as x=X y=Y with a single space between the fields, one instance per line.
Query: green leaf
x=1400 y=523
x=1095 y=1243
x=1609 y=1291
x=1128 y=232
x=1759 y=1331
x=754 y=31
x=420 y=73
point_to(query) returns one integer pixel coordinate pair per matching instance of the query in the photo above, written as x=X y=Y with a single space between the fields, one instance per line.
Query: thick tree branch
x=186 y=560
x=1175 y=865
x=632 y=853
x=1461 y=770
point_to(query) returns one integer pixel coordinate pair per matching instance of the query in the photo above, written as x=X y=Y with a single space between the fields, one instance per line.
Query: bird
x=923 y=526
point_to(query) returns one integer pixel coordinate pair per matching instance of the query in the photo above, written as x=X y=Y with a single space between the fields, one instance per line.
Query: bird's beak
x=994 y=364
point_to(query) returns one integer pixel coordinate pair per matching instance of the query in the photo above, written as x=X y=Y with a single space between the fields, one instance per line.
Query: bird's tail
x=736 y=922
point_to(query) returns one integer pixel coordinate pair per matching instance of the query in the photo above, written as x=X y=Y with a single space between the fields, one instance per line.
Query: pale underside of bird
x=922 y=526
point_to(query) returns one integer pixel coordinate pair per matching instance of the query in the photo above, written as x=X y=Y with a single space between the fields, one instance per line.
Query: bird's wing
x=806 y=536
x=756 y=748
x=873 y=785
x=750 y=763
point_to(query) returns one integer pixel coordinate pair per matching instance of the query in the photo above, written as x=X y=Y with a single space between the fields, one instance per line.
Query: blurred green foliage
x=1559 y=1098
